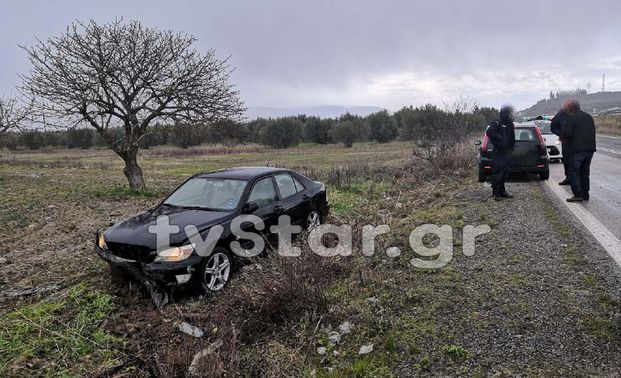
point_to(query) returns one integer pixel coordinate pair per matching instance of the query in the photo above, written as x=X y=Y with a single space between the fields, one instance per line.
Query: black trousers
x=500 y=172
x=580 y=170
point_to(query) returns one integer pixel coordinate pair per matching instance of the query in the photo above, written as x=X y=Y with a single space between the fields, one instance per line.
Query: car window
x=208 y=193
x=286 y=186
x=525 y=135
x=544 y=127
x=298 y=185
x=263 y=192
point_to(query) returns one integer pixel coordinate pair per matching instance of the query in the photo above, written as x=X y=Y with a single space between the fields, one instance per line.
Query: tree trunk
x=132 y=170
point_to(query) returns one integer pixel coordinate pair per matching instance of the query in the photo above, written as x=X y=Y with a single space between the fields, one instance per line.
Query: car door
x=294 y=198
x=264 y=194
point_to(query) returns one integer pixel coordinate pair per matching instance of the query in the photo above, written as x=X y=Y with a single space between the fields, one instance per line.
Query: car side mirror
x=477 y=143
x=250 y=208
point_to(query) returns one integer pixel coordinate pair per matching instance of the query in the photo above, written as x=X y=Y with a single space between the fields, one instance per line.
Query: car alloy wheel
x=217 y=271
x=313 y=220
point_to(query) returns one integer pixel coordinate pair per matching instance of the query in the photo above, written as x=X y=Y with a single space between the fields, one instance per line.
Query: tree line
x=421 y=124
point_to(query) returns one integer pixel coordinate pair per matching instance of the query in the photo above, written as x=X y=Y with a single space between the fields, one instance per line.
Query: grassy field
x=277 y=314
x=54 y=200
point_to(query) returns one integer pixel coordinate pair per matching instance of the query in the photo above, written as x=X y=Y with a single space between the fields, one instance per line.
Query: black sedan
x=529 y=155
x=204 y=201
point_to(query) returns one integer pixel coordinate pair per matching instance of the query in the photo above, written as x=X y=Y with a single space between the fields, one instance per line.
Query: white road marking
x=607 y=239
x=609 y=150
x=609 y=136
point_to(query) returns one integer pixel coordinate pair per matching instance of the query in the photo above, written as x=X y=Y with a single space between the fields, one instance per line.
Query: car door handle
x=305 y=196
x=279 y=209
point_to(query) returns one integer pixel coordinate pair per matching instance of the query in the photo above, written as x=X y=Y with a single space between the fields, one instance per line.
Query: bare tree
x=12 y=114
x=127 y=75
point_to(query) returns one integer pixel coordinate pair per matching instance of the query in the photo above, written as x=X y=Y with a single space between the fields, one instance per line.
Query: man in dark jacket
x=501 y=134
x=579 y=137
x=558 y=122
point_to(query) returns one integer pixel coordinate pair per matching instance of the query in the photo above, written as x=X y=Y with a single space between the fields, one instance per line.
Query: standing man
x=579 y=135
x=558 y=122
x=501 y=134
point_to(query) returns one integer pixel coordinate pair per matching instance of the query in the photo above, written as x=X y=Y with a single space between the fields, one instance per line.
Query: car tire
x=482 y=176
x=313 y=220
x=544 y=175
x=215 y=271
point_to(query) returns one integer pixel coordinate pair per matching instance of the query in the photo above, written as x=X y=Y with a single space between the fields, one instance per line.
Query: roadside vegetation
x=63 y=314
x=63 y=334
x=608 y=125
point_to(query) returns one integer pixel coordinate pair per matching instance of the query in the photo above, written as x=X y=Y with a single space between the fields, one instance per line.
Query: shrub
x=187 y=135
x=80 y=138
x=349 y=129
x=282 y=293
x=382 y=127
x=318 y=130
x=32 y=139
x=443 y=158
x=424 y=123
x=282 y=132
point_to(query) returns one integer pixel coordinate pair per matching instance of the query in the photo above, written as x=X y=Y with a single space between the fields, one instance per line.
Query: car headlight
x=558 y=142
x=175 y=254
x=101 y=241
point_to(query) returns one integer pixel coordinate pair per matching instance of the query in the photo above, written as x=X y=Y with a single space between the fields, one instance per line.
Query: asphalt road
x=605 y=202
x=610 y=146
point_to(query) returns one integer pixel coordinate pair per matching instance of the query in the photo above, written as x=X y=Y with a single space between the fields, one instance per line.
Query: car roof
x=241 y=173
x=524 y=126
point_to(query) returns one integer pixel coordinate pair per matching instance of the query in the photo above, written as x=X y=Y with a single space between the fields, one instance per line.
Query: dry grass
x=277 y=299
x=216 y=149
x=443 y=159
x=609 y=125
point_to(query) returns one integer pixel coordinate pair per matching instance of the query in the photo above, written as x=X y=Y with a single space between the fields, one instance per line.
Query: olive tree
x=128 y=76
x=349 y=129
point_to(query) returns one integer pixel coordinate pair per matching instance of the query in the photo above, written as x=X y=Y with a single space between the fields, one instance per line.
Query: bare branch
x=13 y=115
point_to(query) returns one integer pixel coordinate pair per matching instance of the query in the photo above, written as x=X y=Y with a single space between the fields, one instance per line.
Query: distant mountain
x=327 y=111
x=594 y=103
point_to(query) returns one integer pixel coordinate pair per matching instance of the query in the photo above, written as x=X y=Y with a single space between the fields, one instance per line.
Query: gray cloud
x=386 y=53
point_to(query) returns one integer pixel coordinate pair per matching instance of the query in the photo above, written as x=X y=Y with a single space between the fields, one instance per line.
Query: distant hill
x=327 y=111
x=594 y=103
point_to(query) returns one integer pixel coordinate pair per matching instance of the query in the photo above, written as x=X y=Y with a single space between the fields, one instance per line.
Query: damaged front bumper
x=155 y=273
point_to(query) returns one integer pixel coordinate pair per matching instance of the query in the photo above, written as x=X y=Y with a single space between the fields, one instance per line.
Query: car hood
x=550 y=139
x=135 y=230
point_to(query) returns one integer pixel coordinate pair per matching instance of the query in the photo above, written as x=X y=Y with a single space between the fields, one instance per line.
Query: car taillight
x=484 y=144
x=538 y=132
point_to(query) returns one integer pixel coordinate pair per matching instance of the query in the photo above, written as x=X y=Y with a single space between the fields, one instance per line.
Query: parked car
x=553 y=143
x=206 y=200
x=530 y=154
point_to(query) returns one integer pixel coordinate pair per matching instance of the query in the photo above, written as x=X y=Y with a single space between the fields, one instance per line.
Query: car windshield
x=544 y=127
x=525 y=135
x=208 y=193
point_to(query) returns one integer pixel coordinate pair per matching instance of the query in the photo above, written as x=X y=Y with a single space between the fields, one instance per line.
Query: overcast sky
x=387 y=53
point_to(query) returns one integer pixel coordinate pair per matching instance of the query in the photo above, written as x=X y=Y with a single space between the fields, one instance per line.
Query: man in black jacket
x=579 y=137
x=558 y=122
x=501 y=134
